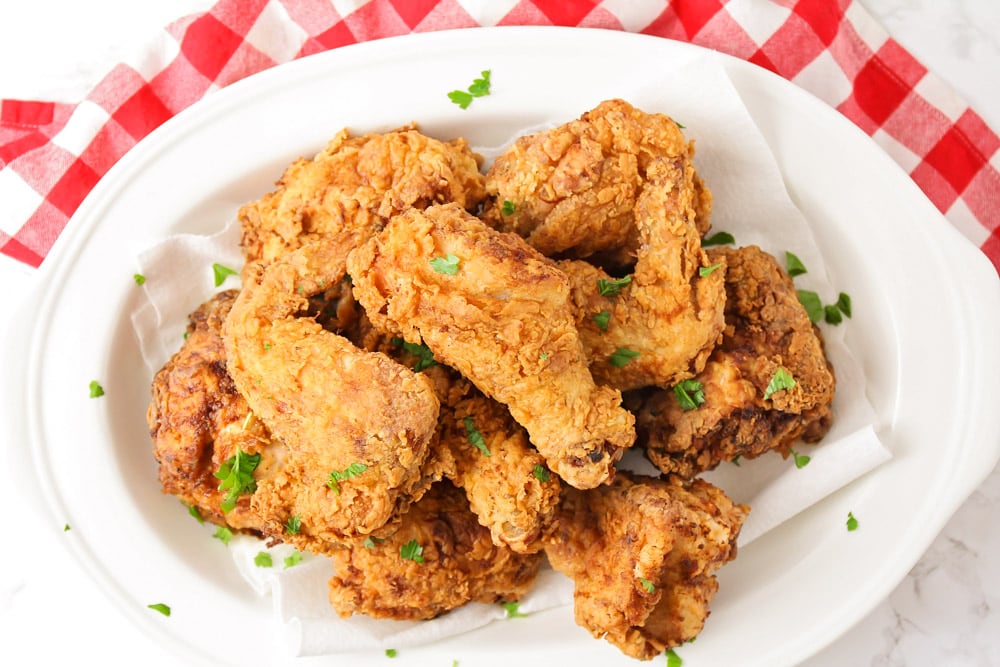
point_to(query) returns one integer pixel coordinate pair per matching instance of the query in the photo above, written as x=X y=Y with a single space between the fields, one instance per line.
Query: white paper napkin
x=750 y=202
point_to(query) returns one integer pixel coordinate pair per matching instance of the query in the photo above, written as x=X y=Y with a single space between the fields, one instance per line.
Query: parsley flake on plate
x=196 y=513
x=223 y=534
x=622 y=356
x=160 y=607
x=412 y=551
x=293 y=560
x=349 y=472
x=781 y=379
x=719 y=238
x=447 y=265
x=811 y=302
x=475 y=437
x=479 y=88
x=673 y=660
x=139 y=278
x=844 y=303
x=801 y=460
x=612 y=287
x=689 y=394
x=852 y=522
x=794 y=264
x=513 y=610
x=221 y=272
x=236 y=474
x=96 y=390
x=391 y=653
x=263 y=559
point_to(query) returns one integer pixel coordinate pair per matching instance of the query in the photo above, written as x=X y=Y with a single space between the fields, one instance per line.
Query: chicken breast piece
x=643 y=553
x=498 y=312
x=354 y=427
x=440 y=558
x=767 y=329
x=572 y=190
x=358 y=183
x=657 y=325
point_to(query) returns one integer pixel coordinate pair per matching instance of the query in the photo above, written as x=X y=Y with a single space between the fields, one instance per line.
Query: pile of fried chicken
x=431 y=372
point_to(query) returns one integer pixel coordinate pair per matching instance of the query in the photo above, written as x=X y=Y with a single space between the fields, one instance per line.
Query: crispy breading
x=572 y=189
x=643 y=553
x=358 y=183
x=438 y=559
x=660 y=326
x=767 y=328
x=335 y=409
x=503 y=320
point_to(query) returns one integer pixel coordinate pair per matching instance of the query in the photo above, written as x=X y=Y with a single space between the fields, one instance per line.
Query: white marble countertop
x=945 y=612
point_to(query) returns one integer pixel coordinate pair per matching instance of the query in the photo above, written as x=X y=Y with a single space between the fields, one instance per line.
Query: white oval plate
x=931 y=305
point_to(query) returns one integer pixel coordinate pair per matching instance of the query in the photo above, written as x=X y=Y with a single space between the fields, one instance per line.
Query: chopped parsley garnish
x=647 y=585
x=844 y=303
x=811 y=302
x=540 y=473
x=612 y=287
x=196 y=513
x=707 y=270
x=736 y=460
x=349 y=472
x=602 y=319
x=96 y=390
x=781 y=379
x=66 y=528
x=673 y=660
x=236 y=474
x=718 y=238
x=794 y=264
x=263 y=559
x=513 y=610
x=801 y=460
x=679 y=125
x=852 y=523
x=622 y=356
x=139 y=278
x=221 y=272
x=390 y=653
x=475 y=437
x=223 y=534
x=293 y=560
x=160 y=607
x=507 y=208
x=371 y=541
x=479 y=88
x=447 y=264
x=831 y=314
x=294 y=525
x=412 y=551
x=425 y=358
x=689 y=394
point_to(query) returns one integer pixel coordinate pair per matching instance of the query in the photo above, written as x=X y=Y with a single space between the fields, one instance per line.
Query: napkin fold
x=750 y=201
x=52 y=155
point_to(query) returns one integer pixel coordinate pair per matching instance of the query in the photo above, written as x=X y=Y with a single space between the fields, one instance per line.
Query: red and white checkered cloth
x=52 y=155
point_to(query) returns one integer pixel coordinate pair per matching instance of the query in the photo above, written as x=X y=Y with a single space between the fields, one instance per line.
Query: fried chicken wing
x=659 y=324
x=197 y=419
x=766 y=329
x=439 y=559
x=354 y=427
x=498 y=312
x=643 y=553
x=505 y=479
x=358 y=183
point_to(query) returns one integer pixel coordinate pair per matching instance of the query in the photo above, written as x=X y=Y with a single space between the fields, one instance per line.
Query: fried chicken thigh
x=766 y=329
x=358 y=183
x=643 y=553
x=498 y=312
x=197 y=419
x=572 y=190
x=659 y=324
x=354 y=427
x=439 y=558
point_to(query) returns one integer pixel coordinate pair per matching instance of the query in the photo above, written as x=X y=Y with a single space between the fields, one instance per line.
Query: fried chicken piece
x=358 y=183
x=643 y=553
x=197 y=419
x=439 y=559
x=502 y=319
x=658 y=325
x=766 y=329
x=353 y=428
x=505 y=479
x=574 y=187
